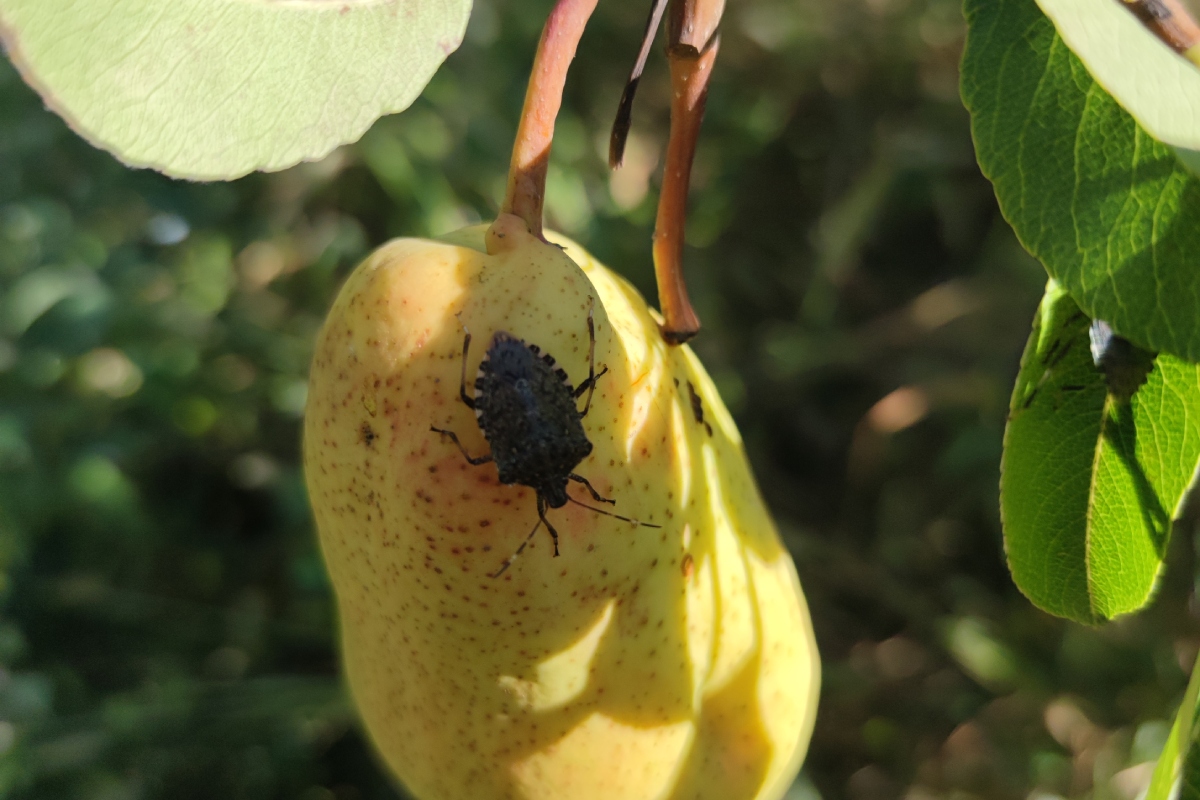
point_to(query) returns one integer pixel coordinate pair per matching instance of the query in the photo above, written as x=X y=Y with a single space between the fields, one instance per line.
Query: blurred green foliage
x=166 y=628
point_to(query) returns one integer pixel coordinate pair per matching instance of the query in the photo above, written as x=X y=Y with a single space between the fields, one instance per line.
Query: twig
x=692 y=49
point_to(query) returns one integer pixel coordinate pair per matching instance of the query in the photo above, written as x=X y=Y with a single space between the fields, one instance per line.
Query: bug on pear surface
x=526 y=408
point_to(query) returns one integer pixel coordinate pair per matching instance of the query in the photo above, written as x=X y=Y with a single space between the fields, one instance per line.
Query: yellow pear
x=643 y=663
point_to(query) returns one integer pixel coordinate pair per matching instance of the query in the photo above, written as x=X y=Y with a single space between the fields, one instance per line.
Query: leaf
x=1171 y=767
x=1089 y=484
x=1111 y=212
x=213 y=89
x=1156 y=85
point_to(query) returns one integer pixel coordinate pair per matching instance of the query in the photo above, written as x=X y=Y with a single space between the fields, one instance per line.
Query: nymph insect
x=1126 y=366
x=526 y=407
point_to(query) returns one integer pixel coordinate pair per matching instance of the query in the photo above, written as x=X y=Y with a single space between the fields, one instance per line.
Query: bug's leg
x=508 y=561
x=610 y=514
x=589 y=385
x=462 y=383
x=595 y=495
x=549 y=527
x=476 y=460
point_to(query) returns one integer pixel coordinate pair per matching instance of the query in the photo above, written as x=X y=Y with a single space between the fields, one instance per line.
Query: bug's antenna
x=590 y=383
x=610 y=514
x=508 y=562
x=462 y=383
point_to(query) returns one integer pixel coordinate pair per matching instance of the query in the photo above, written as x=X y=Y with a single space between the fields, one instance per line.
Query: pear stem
x=691 y=51
x=526 y=191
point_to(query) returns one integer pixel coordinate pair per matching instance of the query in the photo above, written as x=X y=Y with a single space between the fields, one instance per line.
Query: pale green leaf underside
x=1158 y=87
x=1089 y=485
x=1110 y=211
x=213 y=89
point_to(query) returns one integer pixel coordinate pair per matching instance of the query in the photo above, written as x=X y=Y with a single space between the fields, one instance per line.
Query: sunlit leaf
x=1090 y=483
x=1172 y=770
x=213 y=89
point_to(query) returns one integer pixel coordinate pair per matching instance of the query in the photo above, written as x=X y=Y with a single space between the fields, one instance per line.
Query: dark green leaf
x=1158 y=86
x=1110 y=211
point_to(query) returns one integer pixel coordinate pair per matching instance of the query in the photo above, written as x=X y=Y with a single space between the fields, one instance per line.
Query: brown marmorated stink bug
x=526 y=407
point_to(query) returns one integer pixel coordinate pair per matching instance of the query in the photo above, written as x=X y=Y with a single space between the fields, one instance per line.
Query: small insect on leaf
x=1125 y=365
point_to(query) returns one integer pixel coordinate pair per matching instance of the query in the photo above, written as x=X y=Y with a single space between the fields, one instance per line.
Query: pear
x=641 y=663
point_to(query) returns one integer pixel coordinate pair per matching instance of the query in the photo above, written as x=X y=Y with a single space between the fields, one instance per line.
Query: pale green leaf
x=213 y=89
x=1157 y=86
x=1172 y=770
x=1090 y=483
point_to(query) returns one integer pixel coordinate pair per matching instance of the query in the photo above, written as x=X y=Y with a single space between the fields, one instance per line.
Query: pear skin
x=642 y=663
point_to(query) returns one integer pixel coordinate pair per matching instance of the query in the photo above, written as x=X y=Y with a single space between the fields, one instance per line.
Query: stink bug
x=526 y=407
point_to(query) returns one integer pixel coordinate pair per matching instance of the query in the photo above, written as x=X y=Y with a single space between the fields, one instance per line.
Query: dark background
x=166 y=628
